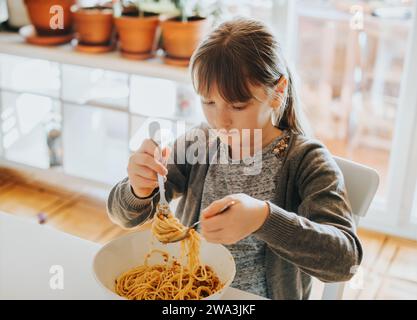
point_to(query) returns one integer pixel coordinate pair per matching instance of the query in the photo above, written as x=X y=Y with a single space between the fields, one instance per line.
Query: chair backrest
x=361 y=184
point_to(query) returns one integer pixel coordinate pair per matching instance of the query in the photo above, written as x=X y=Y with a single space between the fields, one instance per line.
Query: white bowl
x=129 y=251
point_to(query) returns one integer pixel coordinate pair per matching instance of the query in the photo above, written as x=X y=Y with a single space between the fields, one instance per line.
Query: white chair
x=361 y=184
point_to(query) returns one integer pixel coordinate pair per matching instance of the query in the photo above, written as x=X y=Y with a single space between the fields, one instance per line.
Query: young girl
x=291 y=220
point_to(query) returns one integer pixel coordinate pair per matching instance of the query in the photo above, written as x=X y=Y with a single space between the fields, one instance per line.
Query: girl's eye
x=208 y=103
x=239 y=107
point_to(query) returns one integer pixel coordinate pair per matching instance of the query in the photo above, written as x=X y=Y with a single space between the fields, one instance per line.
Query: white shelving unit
x=101 y=104
x=14 y=44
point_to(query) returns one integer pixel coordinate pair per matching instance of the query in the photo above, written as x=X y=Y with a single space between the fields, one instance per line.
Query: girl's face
x=252 y=114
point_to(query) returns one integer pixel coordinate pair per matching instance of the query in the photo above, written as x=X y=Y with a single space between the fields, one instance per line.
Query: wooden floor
x=389 y=267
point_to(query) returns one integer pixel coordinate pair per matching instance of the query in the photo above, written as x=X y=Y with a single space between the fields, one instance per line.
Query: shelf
x=14 y=44
x=100 y=99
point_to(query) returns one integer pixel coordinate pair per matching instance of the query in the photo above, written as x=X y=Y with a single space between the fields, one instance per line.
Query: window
x=350 y=58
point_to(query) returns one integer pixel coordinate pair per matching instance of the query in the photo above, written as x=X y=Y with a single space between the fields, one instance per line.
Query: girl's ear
x=280 y=90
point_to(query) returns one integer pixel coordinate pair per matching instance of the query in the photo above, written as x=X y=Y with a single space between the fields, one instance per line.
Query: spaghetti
x=165 y=226
x=170 y=280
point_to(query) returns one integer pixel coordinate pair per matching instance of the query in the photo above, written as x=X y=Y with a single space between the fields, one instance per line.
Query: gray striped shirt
x=226 y=179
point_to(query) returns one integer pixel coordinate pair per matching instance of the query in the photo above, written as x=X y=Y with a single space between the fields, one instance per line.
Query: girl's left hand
x=242 y=219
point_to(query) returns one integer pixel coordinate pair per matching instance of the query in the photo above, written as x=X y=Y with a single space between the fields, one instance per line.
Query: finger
x=166 y=152
x=143 y=159
x=206 y=230
x=216 y=237
x=214 y=223
x=145 y=172
x=151 y=182
x=137 y=169
x=216 y=206
x=148 y=146
x=151 y=148
x=140 y=182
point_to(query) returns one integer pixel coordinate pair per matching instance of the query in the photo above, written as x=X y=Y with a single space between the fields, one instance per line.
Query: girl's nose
x=223 y=118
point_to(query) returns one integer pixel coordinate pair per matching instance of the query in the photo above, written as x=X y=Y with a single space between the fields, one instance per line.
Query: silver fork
x=163 y=205
x=187 y=231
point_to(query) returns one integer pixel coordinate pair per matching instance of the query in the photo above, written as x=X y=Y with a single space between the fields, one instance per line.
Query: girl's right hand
x=143 y=168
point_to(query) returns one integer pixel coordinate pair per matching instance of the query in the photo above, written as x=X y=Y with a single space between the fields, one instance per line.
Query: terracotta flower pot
x=137 y=34
x=94 y=25
x=180 y=39
x=40 y=15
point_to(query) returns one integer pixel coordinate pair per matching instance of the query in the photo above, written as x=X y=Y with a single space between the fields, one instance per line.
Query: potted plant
x=137 y=26
x=94 y=26
x=41 y=16
x=182 y=33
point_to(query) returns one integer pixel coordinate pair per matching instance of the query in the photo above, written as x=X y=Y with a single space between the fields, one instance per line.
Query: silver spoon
x=187 y=231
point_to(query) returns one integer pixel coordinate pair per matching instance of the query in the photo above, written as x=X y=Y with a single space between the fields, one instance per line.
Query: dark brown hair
x=240 y=53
